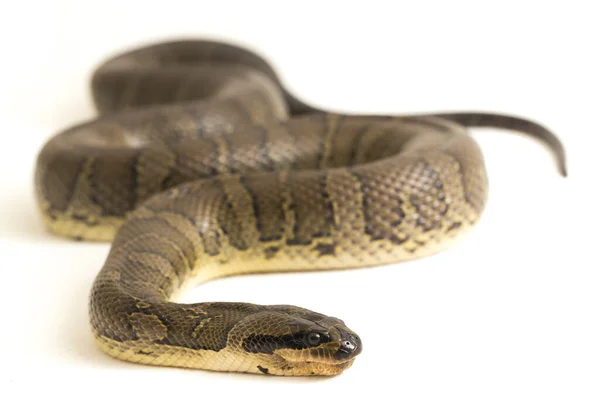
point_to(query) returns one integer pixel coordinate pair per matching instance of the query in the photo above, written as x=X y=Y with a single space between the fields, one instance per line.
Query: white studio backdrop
x=509 y=312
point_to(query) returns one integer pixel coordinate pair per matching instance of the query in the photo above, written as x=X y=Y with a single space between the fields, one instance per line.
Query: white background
x=510 y=312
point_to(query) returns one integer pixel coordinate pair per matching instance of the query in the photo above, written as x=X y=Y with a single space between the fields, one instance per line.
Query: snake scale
x=202 y=165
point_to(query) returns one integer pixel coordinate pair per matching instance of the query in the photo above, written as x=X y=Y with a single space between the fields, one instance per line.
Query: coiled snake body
x=202 y=165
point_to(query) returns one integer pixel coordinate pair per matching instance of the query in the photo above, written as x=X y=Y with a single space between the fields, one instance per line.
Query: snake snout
x=350 y=345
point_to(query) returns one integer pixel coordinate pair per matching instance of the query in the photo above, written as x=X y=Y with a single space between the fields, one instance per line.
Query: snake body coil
x=202 y=165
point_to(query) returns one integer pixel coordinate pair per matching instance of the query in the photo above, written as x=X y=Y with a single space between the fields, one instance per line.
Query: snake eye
x=314 y=338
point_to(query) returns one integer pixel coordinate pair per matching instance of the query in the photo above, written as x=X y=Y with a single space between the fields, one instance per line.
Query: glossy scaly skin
x=202 y=165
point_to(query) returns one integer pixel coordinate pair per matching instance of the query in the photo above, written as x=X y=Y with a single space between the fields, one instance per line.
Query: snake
x=202 y=165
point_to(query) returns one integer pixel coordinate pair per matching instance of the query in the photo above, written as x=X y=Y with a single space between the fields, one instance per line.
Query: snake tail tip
x=562 y=167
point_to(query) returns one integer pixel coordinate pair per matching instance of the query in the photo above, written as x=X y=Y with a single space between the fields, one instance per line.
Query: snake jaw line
x=311 y=368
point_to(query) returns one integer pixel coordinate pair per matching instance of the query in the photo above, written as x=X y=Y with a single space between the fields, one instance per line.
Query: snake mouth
x=323 y=366
x=314 y=368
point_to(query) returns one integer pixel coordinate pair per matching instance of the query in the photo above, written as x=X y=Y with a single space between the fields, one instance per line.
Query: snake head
x=288 y=340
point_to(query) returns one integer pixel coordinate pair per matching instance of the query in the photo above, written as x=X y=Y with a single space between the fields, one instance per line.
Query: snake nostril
x=347 y=347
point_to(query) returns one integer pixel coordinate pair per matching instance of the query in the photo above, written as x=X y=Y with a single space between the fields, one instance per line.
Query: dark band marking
x=263 y=370
x=194 y=159
x=267 y=208
x=168 y=242
x=147 y=272
x=354 y=153
x=267 y=344
x=115 y=197
x=255 y=209
x=428 y=195
x=455 y=225
x=325 y=249
x=57 y=176
x=313 y=219
x=271 y=251
x=376 y=227
x=328 y=138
